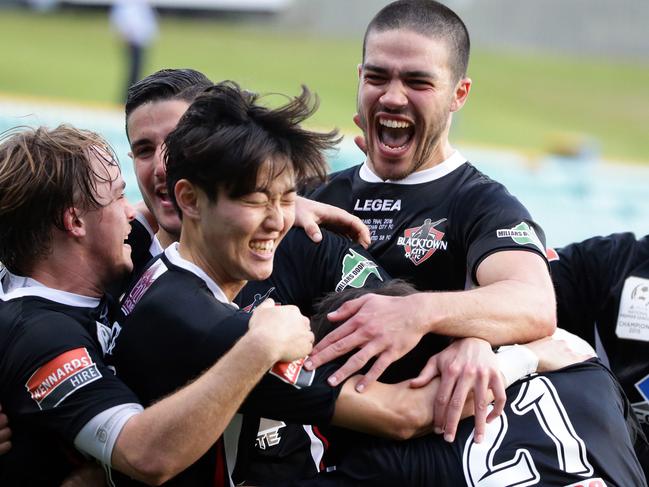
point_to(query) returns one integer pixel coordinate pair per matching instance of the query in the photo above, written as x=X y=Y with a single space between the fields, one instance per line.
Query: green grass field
x=521 y=100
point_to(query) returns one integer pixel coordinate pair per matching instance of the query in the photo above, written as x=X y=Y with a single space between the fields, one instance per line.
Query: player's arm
x=167 y=437
x=309 y=214
x=514 y=303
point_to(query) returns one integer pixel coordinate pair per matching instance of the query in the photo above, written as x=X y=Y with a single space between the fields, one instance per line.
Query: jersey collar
x=13 y=286
x=418 y=177
x=174 y=257
x=155 y=248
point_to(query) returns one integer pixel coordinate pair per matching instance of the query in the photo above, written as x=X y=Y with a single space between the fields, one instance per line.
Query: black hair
x=429 y=18
x=225 y=137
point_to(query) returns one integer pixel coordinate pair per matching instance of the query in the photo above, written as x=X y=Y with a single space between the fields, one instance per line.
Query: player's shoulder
x=473 y=183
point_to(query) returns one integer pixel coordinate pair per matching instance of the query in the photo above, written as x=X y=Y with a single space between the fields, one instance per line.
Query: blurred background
x=559 y=110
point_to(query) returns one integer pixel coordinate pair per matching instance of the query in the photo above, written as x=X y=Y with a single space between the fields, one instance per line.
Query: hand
x=359 y=140
x=309 y=214
x=284 y=330
x=560 y=350
x=383 y=326
x=5 y=433
x=467 y=365
x=88 y=475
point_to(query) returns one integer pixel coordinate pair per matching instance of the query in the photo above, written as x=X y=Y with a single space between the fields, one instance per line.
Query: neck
x=194 y=251
x=59 y=274
x=166 y=238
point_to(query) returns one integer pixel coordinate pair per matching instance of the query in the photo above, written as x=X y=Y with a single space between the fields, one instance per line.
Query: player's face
x=406 y=96
x=108 y=226
x=148 y=126
x=243 y=233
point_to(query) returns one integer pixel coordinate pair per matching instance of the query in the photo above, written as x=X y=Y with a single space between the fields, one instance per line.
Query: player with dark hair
x=602 y=287
x=551 y=432
x=179 y=314
x=154 y=106
x=63 y=222
x=435 y=219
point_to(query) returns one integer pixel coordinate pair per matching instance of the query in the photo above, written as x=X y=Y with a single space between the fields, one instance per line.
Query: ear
x=187 y=197
x=74 y=223
x=461 y=94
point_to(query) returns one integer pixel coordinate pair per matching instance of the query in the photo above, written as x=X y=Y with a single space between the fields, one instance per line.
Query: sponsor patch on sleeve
x=522 y=234
x=293 y=373
x=356 y=269
x=551 y=254
x=61 y=376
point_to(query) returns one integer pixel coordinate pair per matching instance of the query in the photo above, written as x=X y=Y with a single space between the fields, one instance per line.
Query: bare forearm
x=173 y=433
x=504 y=312
x=390 y=410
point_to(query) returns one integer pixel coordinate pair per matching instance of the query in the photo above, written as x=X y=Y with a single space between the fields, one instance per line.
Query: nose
x=276 y=216
x=129 y=210
x=158 y=160
x=394 y=96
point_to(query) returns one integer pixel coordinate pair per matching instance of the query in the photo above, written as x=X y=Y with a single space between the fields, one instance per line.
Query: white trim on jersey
x=231 y=444
x=418 y=177
x=317 y=446
x=174 y=257
x=14 y=286
x=98 y=436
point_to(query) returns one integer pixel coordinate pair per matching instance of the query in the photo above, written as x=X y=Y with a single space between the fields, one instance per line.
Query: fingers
x=497 y=386
x=5 y=434
x=456 y=403
x=353 y=365
x=379 y=366
x=427 y=374
x=313 y=231
x=266 y=303
x=334 y=350
x=481 y=405
x=444 y=392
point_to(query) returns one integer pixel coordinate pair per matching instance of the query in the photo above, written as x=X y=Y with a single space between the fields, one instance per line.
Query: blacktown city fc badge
x=421 y=242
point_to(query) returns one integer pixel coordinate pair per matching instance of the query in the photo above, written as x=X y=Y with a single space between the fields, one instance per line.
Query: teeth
x=394 y=124
x=266 y=246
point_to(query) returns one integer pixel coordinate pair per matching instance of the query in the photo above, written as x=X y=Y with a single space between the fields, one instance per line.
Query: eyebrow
x=403 y=74
x=137 y=143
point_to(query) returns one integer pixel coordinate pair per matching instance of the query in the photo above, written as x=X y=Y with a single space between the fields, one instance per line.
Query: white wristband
x=515 y=362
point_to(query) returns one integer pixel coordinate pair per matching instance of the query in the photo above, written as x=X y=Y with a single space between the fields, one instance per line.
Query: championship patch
x=356 y=269
x=293 y=373
x=633 y=316
x=522 y=234
x=62 y=376
x=421 y=242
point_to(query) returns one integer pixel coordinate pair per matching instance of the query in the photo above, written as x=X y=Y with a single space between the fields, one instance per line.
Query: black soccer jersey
x=176 y=323
x=435 y=227
x=603 y=284
x=551 y=433
x=304 y=271
x=52 y=376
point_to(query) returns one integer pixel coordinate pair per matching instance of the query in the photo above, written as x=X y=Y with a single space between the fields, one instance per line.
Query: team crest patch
x=421 y=242
x=356 y=270
x=62 y=376
x=259 y=298
x=522 y=234
x=293 y=373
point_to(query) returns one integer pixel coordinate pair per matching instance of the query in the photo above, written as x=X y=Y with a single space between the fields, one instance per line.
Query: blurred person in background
x=135 y=22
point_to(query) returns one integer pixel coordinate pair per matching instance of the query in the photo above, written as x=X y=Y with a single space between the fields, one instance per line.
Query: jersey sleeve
x=584 y=274
x=55 y=378
x=305 y=271
x=492 y=220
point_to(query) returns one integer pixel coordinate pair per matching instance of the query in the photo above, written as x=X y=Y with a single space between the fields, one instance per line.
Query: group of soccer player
x=166 y=344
